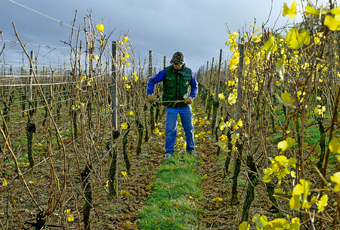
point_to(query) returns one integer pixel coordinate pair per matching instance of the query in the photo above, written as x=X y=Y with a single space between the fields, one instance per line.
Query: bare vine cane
x=19 y=171
x=168 y=101
x=172 y=101
x=57 y=130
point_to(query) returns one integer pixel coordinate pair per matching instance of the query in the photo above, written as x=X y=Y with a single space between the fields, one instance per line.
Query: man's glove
x=188 y=100
x=151 y=99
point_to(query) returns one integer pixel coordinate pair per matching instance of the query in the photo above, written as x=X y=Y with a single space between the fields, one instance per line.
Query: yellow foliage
x=292 y=11
x=124 y=125
x=336 y=179
x=100 y=28
x=286 y=144
x=232 y=97
x=332 y=23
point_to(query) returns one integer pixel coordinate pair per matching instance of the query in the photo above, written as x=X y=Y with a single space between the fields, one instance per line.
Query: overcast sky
x=195 y=27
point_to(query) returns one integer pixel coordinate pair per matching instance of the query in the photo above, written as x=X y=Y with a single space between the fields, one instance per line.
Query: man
x=177 y=97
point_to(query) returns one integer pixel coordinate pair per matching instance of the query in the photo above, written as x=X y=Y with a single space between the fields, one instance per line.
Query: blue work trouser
x=171 y=128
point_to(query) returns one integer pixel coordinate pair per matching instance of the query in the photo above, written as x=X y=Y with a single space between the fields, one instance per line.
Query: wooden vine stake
x=152 y=106
x=86 y=182
x=30 y=127
x=216 y=99
x=113 y=177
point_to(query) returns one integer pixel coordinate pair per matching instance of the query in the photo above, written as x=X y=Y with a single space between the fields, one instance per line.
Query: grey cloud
x=195 y=27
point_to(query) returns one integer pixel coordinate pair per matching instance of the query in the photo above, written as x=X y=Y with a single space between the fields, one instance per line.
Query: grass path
x=173 y=203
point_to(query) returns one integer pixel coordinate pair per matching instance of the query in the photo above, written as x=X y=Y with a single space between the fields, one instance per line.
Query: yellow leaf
x=332 y=23
x=125 y=193
x=223 y=138
x=232 y=97
x=334 y=146
x=70 y=218
x=131 y=113
x=238 y=125
x=124 y=125
x=281 y=159
x=304 y=37
x=296 y=40
x=280 y=68
x=217 y=199
x=231 y=83
x=100 y=28
x=222 y=145
x=311 y=10
x=336 y=178
x=269 y=46
x=286 y=144
x=314 y=200
x=337 y=188
x=290 y=11
x=287 y=99
x=260 y=221
x=83 y=77
x=268 y=171
x=322 y=203
x=292 y=160
x=244 y=226
x=234 y=60
x=283 y=145
x=294 y=202
x=295 y=225
x=67 y=211
x=279 y=191
x=4 y=183
x=266 y=178
x=300 y=189
x=335 y=11
x=290 y=141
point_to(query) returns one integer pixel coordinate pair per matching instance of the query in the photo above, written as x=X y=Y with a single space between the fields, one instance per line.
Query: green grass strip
x=173 y=202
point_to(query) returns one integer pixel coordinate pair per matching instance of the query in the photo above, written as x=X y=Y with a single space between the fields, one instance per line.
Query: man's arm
x=194 y=86
x=153 y=81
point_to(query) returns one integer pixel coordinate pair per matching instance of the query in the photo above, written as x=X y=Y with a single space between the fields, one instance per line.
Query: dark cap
x=177 y=58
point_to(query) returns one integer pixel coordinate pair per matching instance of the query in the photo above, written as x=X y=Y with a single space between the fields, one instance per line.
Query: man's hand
x=151 y=99
x=188 y=100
